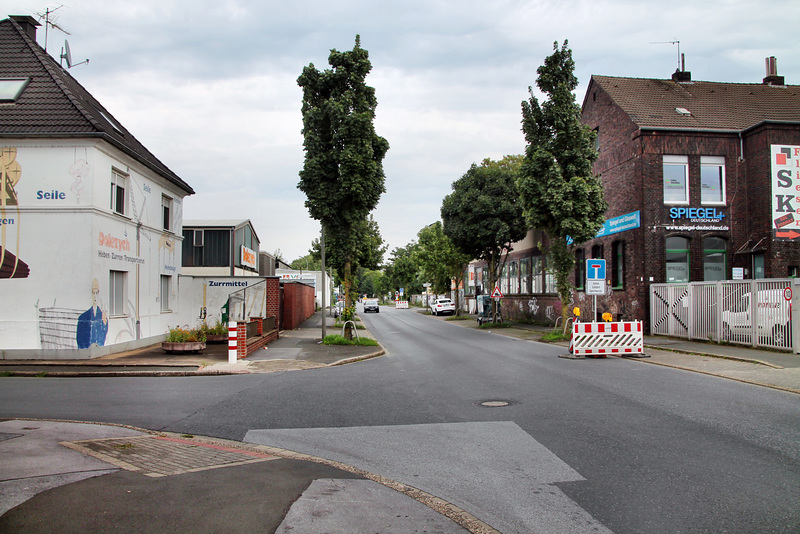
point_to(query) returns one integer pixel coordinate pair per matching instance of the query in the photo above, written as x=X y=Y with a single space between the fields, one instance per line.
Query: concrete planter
x=182 y=346
x=216 y=338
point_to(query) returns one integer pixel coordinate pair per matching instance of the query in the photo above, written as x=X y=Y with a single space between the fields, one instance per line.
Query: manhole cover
x=495 y=403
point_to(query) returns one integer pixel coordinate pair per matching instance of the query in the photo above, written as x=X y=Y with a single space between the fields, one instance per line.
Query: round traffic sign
x=787 y=293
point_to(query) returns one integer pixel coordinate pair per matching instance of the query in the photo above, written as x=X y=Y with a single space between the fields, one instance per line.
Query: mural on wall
x=79 y=171
x=93 y=323
x=10 y=173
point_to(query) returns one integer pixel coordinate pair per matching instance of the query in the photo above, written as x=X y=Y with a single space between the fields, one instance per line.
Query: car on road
x=443 y=306
x=371 y=305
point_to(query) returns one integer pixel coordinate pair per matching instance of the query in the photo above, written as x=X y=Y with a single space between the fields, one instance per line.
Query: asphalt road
x=583 y=445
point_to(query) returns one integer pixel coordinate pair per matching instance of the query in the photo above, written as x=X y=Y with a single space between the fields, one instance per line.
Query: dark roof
x=652 y=103
x=54 y=104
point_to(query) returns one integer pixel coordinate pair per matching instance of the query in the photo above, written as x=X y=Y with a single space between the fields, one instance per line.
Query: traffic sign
x=595 y=269
x=496 y=293
x=595 y=287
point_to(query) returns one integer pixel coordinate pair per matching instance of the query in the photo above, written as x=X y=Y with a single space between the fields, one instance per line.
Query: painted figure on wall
x=10 y=172
x=93 y=323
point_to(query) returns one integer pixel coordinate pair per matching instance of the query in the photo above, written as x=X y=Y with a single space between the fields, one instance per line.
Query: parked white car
x=772 y=321
x=442 y=306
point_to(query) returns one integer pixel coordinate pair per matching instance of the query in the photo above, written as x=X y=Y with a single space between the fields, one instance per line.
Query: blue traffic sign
x=595 y=269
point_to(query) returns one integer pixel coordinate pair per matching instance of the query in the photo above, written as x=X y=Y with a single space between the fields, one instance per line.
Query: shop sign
x=785 y=172
x=712 y=217
x=248 y=257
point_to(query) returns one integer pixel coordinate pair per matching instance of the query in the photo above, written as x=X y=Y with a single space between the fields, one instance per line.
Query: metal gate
x=748 y=312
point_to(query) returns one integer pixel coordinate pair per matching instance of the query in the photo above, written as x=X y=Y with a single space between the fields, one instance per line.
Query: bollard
x=232 y=342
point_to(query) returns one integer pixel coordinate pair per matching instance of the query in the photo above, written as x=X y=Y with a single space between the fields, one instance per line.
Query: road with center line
x=593 y=445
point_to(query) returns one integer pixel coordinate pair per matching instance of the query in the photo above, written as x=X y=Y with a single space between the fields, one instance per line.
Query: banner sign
x=785 y=173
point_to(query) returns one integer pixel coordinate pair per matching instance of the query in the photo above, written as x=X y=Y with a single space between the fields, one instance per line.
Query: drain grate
x=157 y=456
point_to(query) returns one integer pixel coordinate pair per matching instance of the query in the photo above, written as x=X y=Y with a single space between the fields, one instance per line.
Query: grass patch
x=5 y=373
x=336 y=339
x=490 y=326
x=358 y=326
x=457 y=318
x=558 y=335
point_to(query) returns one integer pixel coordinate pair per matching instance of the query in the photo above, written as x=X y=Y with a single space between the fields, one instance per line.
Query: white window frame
x=166 y=213
x=119 y=181
x=166 y=286
x=713 y=162
x=676 y=161
x=117 y=292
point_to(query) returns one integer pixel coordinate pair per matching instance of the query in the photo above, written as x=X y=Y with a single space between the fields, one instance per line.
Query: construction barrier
x=401 y=304
x=601 y=339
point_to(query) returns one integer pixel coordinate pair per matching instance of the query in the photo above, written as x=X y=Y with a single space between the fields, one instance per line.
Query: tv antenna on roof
x=47 y=23
x=66 y=55
x=674 y=41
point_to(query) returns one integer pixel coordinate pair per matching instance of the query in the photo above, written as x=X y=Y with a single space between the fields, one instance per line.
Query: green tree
x=403 y=270
x=439 y=260
x=560 y=193
x=307 y=263
x=342 y=174
x=483 y=215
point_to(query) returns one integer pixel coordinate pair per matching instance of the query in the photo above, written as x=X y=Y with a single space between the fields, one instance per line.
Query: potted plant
x=217 y=333
x=184 y=340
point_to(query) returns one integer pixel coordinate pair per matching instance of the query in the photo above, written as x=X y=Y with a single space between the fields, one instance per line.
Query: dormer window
x=11 y=88
x=683 y=111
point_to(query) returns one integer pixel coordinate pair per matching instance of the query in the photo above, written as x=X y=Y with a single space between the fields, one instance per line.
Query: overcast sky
x=210 y=86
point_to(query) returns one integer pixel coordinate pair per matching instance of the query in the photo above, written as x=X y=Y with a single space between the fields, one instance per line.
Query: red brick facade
x=298 y=304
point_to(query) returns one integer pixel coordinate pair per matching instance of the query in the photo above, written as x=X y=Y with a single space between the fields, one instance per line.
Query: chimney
x=682 y=75
x=772 y=72
x=28 y=24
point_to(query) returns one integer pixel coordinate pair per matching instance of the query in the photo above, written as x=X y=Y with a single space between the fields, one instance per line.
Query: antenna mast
x=48 y=23
x=674 y=41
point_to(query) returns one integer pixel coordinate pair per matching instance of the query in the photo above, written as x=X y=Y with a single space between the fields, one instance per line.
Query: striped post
x=232 y=342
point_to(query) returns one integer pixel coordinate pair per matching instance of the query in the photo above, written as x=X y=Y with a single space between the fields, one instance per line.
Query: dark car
x=371 y=305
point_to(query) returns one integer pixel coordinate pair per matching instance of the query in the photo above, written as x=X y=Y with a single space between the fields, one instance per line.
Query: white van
x=772 y=320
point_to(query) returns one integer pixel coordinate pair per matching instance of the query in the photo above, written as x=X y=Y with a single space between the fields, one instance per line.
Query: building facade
x=701 y=179
x=90 y=220
x=220 y=248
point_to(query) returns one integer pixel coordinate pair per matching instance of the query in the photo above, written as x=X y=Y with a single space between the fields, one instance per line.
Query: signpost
x=595 y=281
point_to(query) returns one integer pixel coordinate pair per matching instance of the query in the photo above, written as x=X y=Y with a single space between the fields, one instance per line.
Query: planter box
x=216 y=338
x=185 y=346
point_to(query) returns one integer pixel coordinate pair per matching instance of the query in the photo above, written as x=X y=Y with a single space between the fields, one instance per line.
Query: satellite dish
x=66 y=54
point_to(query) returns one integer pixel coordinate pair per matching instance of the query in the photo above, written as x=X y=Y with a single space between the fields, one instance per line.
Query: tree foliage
x=439 y=259
x=559 y=192
x=483 y=215
x=342 y=174
x=403 y=270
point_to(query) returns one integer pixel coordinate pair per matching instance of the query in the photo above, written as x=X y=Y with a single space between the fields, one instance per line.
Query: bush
x=218 y=329
x=186 y=335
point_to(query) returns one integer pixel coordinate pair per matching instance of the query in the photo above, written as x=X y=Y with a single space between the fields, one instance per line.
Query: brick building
x=700 y=178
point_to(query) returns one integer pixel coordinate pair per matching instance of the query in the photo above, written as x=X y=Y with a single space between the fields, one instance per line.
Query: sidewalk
x=293 y=350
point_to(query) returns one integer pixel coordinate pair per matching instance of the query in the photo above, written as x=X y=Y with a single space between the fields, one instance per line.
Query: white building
x=90 y=220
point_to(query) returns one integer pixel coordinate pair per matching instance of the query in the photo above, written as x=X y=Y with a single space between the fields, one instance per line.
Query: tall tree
x=483 y=215
x=440 y=261
x=342 y=175
x=403 y=270
x=560 y=193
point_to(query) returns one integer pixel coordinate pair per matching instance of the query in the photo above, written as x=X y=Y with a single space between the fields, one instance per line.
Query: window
x=677 y=249
x=116 y=304
x=525 y=275
x=758 y=265
x=676 y=179
x=166 y=208
x=580 y=269
x=794 y=271
x=485 y=281
x=514 y=274
x=536 y=266
x=197 y=238
x=11 y=88
x=165 y=287
x=597 y=252
x=118 y=186
x=714 y=257
x=550 y=277
x=503 y=283
x=618 y=264
x=712 y=180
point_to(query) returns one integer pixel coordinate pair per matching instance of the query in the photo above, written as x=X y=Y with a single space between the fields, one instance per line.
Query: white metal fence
x=747 y=312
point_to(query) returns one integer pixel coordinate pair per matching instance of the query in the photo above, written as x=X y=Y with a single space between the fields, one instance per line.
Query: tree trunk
x=348 y=297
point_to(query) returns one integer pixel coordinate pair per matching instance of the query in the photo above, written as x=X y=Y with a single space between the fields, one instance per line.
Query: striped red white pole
x=233 y=356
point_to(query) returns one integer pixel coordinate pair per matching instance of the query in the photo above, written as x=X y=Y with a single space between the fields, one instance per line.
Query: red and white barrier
x=602 y=339
x=233 y=341
x=401 y=304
